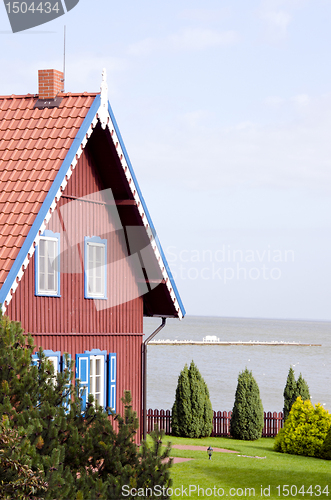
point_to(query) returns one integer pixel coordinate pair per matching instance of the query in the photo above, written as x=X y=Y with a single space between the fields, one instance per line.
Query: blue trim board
x=151 y=225
x=112 y=380
x=6 y=287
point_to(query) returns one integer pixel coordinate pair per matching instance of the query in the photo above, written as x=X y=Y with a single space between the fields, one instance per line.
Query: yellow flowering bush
x=305 y=429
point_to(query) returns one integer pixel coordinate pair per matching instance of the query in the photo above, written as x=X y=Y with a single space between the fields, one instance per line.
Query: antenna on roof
x=64 y=58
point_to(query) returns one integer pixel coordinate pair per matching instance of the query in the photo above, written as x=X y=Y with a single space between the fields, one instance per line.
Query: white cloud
x=301 y=100
x=277 y=16
x=193 y=118
x=186 y=39
x=85 y=70
x=274 y=101
x=205 y=15
x=276 y=22
x=280 y=20
x=199 y=39
x=144 y=47
x=294 y=154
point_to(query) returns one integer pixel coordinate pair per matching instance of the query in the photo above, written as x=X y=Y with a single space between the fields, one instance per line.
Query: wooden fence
x=221 y=422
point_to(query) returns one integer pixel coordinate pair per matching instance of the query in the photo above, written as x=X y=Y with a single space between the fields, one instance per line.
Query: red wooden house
x=80 y=263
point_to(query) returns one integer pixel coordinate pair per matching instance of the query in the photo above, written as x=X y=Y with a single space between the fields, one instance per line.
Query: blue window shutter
x=112 y=380
x=65 y=365
x=83 y=373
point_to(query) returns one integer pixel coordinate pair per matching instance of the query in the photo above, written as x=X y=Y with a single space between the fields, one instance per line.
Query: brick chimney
x=50 y=83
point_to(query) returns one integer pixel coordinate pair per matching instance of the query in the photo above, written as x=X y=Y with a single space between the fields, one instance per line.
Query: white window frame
x=101 y=376
x=55 y=361
x=91 y=272
x=54 y=238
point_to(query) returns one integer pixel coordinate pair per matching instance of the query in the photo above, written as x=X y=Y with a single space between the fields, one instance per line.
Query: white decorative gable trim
x=135 y=192
x=103 y=110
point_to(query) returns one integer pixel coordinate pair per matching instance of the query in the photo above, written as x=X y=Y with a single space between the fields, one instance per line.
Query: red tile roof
x=33 y=145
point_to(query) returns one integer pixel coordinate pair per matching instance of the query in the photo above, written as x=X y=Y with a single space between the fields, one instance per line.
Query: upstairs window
x=95 y=268
x=47 y=260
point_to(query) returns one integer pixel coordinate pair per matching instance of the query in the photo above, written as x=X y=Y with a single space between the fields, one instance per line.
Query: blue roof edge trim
x=17 y=265
x=157 y=241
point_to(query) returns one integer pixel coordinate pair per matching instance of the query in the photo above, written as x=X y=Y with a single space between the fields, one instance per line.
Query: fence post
x=168 y=423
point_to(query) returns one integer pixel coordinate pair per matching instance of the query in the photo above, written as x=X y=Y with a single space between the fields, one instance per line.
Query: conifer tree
x=293 y=390
x=18 y=480
x=192 y=414
x=289 y=392
x=208 y=414
x=302 y=389
x=181 y=410
x=247 y=418
x=76 y=451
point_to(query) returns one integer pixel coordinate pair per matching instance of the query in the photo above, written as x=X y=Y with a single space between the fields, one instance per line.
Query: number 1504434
x=287 y=490
x=33 y=7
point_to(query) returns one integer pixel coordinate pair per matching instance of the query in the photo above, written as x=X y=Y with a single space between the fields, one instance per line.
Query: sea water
x=220 y=365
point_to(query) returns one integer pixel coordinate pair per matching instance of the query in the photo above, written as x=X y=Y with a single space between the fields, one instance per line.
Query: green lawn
x=233 y=476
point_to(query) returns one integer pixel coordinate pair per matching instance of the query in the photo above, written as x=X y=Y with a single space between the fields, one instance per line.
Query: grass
x=244 y=477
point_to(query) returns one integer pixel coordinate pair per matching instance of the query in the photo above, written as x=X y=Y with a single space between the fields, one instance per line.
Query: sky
x=225 y=110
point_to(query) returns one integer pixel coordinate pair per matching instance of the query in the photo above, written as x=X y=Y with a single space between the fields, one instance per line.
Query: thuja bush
x=302 y=389
x=247 y=417
x=289 y=392
x=192 y=413
x=293 y=389
x=305 y=430
x=72 y=452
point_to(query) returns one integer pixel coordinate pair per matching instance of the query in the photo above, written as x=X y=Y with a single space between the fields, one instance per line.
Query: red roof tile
x=33 y=145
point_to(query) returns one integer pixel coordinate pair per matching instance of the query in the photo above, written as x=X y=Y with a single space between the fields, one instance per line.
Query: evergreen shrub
x=192 y=413
x=247 y=418
x=326 y=446
x=305 y=430
x=294 y=389
x=289 y=392
x=302 y=389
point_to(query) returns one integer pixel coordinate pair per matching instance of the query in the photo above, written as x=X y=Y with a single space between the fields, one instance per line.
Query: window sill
x=95 y=297
x=44 y=294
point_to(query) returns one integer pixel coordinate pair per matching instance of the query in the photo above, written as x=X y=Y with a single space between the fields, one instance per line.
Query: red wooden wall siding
x=71 y=313
x=71 y=323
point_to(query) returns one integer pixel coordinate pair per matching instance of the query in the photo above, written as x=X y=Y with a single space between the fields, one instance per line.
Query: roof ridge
x=61 y=94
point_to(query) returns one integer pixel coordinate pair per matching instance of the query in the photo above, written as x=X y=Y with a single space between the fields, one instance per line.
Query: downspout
x=144 y=374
